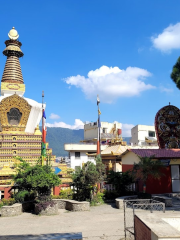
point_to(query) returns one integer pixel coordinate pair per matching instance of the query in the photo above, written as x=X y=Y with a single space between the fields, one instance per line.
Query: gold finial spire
x=13 y=34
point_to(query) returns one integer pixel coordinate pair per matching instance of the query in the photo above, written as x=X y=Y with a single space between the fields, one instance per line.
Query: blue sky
x=75 y=49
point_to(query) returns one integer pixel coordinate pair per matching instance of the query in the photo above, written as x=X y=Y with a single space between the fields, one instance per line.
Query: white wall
x=117 y=167
x=139 y=133
x=130 y=158
x=79 y=161
x=90 y=130
x=134 y=135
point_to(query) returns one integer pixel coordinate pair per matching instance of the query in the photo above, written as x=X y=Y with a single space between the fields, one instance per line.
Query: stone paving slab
x=104 y=222
x=101 y=222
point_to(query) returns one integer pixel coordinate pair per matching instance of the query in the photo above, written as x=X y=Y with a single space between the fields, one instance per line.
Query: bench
x=72 y=205
x=164 y=199
x=119 y=200
x=13 y=210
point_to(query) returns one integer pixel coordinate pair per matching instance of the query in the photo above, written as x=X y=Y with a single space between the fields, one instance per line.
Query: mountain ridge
x=57 y=137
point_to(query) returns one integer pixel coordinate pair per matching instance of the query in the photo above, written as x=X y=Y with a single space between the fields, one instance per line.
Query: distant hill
x=127 y=139
x=57 y=137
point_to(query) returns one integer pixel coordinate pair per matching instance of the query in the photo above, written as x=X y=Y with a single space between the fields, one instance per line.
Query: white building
x=77 y=152
x=143 y=135
x=107 y=130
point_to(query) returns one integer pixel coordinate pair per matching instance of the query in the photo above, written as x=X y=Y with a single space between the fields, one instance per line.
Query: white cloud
x=54 y=116
x=78 y=124
x=164 y=89
x=111 y=83
x=169 y=39
x=126 y=129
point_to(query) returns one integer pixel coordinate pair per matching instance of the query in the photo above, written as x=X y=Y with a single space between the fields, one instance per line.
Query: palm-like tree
x=175 y=75
x=147 y=167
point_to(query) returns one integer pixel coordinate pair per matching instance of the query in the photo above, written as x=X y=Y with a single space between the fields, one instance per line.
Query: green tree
x=120 y=180
x=37 y=179
x=85 y=179
x=100 y=168
x=175 y=75
x=148 y=167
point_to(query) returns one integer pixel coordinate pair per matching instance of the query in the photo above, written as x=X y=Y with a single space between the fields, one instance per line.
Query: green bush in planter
x=66 y=194
x=8 y=202
x=111 y=195
x=42 y=202
x=97 y=199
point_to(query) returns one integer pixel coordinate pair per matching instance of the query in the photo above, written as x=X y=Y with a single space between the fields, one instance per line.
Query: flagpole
x=99 y=133
x=42 y=157
x=42 y=105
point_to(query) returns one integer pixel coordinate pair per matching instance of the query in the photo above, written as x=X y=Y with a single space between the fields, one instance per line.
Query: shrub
x=24 y=195
x=1 y=204
x=56 y=197
x=111 y=195
x=120 y=180
x=8 y=202
x=21 y=195
x=66 y=194
x=35 y=178
x=42 y=202
x=86 y=178
x=97 y=199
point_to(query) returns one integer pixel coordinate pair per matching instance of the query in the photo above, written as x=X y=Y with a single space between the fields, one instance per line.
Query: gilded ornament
x=14 y=101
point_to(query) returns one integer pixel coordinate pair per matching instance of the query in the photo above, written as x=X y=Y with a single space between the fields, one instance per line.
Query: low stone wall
x=61 y=203
x=72 y=205
x=164 y=199
x=9 y=211
x=119 y=201
x=48 y=211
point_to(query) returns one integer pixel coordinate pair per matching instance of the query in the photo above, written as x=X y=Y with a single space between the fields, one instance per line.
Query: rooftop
x=158 y=153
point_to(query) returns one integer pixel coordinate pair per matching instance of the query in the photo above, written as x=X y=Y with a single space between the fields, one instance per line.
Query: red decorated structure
x=167 y=126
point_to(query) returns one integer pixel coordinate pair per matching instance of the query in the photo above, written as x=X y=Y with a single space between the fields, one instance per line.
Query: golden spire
x=12 y=79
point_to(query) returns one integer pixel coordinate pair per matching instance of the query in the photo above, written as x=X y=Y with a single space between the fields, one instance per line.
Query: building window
x=104 y=130
x=151 y=134
x=77 y=154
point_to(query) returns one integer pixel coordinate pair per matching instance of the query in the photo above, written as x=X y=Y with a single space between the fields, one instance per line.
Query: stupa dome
x=13 y=34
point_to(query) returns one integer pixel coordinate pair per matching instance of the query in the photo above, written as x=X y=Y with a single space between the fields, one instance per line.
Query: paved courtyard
x=101 y=222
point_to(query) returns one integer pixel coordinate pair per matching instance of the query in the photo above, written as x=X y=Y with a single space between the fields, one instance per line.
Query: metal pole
x=124 y=205
x=42 y=105
x=99 y=131
x=42 y=126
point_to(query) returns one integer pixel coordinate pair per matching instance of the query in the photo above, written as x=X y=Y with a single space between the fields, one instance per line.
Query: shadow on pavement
x=57 y=236
x=112 y=204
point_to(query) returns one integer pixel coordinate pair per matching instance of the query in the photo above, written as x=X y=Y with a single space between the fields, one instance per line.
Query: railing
x=132 y=206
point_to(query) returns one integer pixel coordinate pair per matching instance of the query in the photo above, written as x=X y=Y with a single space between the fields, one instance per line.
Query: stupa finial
x=13 y=34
